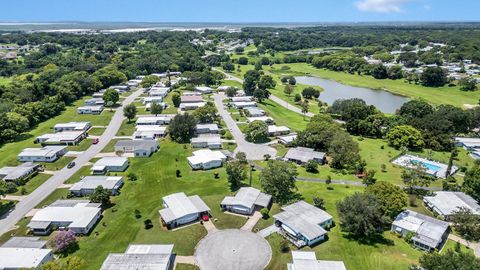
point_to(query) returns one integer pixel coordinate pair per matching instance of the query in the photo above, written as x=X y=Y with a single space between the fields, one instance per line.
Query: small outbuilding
x=88 y=184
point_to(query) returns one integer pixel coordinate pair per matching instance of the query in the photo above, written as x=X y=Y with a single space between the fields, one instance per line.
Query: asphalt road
x=29 y=202
x=253 y=151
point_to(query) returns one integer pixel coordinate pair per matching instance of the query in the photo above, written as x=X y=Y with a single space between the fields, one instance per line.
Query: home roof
x=61 y=136
x=208 y=138
x=255 y=110
x=207 y=126
x=78 y=213
x=46 y=151
x=116 y=261
x=111 y=161
x=428 y=230
x=206 y=155
x=179 y=205
x=191 y=99
x=74 y=125
x=304 y=218
x=25 y=242
x=303 y=154
x=153 y=119
x=260 y=118
x=306 y=260
x=93 y=107
x=273 y=129
x=288 y=138
x=447 y=202
x=20 y=258
x=137 y=144
x=248 y=197
x=92 y=182
x=22 y=170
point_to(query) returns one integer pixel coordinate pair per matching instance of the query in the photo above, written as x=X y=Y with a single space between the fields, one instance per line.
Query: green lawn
x=230 y=146
x=10 y=151
x=440 y=95
x=58 y=164
x=284 y=117
x=57 y=194
x=84 y=171
x=389 y=252
x=127 y=128
x=33 y=183
x=110 y=146
x=82 y=146
x=96 y=131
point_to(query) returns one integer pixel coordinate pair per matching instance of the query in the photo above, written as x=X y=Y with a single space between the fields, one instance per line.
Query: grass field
x=96 y=131
x=10 y=151
x=33 y=183
x=82 y=146
x=127 y=128
x=284 y=117
x=58 y=164
x=440 y=95
x=110 y=146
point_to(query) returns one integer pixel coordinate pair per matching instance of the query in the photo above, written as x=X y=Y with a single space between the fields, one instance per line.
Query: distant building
x=445 y=203
x=429 y=233
x=244 y=104
x=246 y=201
x=265 y=119
x=163 y=119
x=94 y=102
x=140 y=148
x=24 y=253
x=206 y=159
x=303 y=224
x=146 y=257
x=72 y=126
x=254 y=112
x=191 y=106
x=45 y=154
x=78 y=216
x=287 y=139
x=88 y=184
x=22 y=171
x=307 y=260
x=149 y=132
x=180 y=209
x=203 y=89
x=191 y=99
x=301 y=155
x=90 y=110
x=110 y=164
x=206 y=129
x=278 y=130
x=242 y=99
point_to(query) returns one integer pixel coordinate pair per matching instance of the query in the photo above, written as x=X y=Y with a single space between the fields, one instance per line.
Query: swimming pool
x=428 y=166
x=432 y=168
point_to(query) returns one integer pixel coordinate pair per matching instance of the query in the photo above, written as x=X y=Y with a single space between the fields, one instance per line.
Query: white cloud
x=381 y=6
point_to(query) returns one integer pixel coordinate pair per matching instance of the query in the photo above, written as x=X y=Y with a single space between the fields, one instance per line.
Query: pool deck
x=433 y=168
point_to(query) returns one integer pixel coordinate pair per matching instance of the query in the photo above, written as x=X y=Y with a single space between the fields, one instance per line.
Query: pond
x=385 y=101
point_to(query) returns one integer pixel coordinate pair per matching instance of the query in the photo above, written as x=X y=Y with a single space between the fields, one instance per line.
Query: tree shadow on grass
x=373 y=240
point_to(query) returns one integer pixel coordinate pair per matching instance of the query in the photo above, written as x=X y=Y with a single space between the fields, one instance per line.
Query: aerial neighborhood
x=301 y=147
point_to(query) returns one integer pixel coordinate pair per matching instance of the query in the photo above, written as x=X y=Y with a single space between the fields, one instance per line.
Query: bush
x=178 y=173
x=148 y=224
x=132 y=177
x=310 y=93
x=319 y=203
x=297 y=98
x=311 y=166
x=265 y=213
x=137 y=214
x=284 y=246
x=63 y=242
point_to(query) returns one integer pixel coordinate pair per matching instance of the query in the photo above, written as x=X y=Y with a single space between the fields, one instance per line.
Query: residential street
x=253 y=151
x=43 y=191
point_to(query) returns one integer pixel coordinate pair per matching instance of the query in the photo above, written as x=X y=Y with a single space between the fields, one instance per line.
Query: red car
x=95 y=141
x=205 y=217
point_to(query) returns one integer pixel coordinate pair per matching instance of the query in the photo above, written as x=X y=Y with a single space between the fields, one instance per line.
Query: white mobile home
x=246 y=201
x=110 y=164
x=90 y=110
x=65 y=138
x=211 y=141
x=307 y=260
x=206 y=129
x=163 y=119
x=149 y=132
x=278 y=130
x=72 y=126
x=155 y=257
x=302 y=155
x=78 y=216
x=180 y=209
x=206 y=159
x=445 y=203
x=45 y=154
x=140 y=148
x=88 y=184
x=22 y=171
x=94 y=102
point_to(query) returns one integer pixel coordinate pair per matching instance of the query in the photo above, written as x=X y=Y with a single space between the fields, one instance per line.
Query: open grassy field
x=10 y=151
x=440 y=95
x=127 y=128
x=284 y=117
x=82 y=146
x=32 y=184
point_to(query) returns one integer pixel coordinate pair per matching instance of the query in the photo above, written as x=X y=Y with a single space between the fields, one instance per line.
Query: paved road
x=253 y=151
x=274 y=98
x=29 y=202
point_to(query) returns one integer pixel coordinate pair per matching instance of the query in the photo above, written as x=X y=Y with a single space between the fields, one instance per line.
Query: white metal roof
x=304 y=218
x=13 y=173
x=25 y=242
x=117 y=261
x=149 y=249
x=73 y=125
x=178 y=205
x=20 y=258
x=91 y=182
x=61 y=136
x=247 y=197
x=210 y=139
x=447 y=202
x=260 y=118
x=79 y=215
x=307 y=260
x=274 y=129
x=303 y=154
x=47 y=151
x=92 y=108
x=205 y=156
x=111 y=161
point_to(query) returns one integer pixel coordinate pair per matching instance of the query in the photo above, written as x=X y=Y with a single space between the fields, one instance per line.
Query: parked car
x=95 y=141
x=205 y=217
x=71 y=165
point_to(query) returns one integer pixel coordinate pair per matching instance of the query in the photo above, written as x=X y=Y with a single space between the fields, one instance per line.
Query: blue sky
x=240 y=10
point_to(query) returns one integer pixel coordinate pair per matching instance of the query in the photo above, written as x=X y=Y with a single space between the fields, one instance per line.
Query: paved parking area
x=233 y=249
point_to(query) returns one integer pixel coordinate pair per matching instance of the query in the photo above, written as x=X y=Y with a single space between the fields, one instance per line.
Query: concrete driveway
x=29 y=202
x=233 y=249
x=253 y=151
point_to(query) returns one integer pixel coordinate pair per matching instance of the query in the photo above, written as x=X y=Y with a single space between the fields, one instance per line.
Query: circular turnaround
x=233 y=249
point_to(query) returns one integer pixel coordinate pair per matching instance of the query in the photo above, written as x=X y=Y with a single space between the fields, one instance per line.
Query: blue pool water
x=429 y=166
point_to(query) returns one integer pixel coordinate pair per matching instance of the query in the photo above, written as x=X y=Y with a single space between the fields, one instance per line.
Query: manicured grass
x=389 y=252
x=230 y=146
x=119 y=227
x=440 y=95
x=33 y=183
x=223 y=220
x=110 y=146
x=82 y=146
x=127 y=128
x=181 y=266
x=58 y=164
x=58 y=194
x=284 y=117
x=232 y=83
x=84 y=171
x=19 y=230
x=10 y=151
x=96 y=131
x=451 y=245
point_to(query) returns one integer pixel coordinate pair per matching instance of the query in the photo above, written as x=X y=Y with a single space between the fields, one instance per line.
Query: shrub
x=319 y=203
x=148 y=224
x=311 y=166
x=132 y=177
x=63 y=241
x=178 y=173
x=284 y=246
x=297 y=98
x=265 y=213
